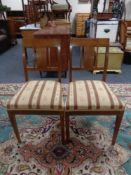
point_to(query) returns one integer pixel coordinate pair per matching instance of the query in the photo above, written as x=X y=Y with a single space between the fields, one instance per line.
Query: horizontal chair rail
x=98 y=42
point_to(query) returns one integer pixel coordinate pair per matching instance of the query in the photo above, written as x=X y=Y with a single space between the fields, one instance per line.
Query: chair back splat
x=39 y=47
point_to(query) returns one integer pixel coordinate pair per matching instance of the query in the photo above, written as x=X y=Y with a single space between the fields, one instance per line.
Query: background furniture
x=16 y=20
x=80 y=23
x=125 y=35
x=5 y=38
x=61 y=10
x=115 y=59
x=107 y=29
x=125 y=40
x=34 y=10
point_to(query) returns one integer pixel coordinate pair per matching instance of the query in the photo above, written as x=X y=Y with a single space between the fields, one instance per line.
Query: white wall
x=13 y=4
x=77 y=7
x=128 y=9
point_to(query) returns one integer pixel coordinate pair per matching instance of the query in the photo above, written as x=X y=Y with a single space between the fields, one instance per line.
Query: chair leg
x=14 y=125
x=117 y=126
x=67 y=128
x=62 y=128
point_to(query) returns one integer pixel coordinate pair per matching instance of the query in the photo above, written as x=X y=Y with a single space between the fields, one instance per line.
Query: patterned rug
x=41 y=151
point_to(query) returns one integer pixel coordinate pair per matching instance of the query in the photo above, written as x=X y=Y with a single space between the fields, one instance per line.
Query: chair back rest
x=29 y=41
x=34 y=10
x=38 y=51
x=89 y=52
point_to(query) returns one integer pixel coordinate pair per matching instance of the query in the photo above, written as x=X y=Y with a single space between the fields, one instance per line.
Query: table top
x=53 y=31
x=30 y=27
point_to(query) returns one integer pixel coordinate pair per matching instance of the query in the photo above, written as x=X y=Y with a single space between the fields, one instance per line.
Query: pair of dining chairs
x=84 y=97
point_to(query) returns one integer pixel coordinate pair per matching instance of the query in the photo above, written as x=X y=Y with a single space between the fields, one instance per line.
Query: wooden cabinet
x=80 y=23
x=12 y=31
x=16 y=20
x=114 y=62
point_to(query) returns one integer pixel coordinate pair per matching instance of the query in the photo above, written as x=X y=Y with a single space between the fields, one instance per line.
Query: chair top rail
x=40 y=43
x=90 y=42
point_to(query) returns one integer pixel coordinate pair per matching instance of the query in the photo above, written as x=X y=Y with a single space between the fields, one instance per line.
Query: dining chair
x=34 y=10
x=59 y=8
x=91 y=97
x=41 y=97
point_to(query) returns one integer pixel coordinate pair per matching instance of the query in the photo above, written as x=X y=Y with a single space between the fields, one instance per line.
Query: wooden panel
x=80 y=23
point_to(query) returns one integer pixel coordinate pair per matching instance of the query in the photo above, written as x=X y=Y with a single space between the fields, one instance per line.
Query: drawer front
x=107 y=31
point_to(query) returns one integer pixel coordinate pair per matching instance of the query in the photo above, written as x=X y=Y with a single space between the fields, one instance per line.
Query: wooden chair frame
x=12 y=116
x=85 y=42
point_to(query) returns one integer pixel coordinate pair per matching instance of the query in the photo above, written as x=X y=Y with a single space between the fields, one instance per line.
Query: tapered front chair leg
x=14 y=125
x=117 y=126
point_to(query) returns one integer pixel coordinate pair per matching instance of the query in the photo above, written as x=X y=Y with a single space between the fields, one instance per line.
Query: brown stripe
x=53 y=96
x=67 y=101
x=75 y=96
x=88 y=94
x=120 y=103
x=18 y=97
x=60 y=98
x=110 y=96
x=32 y=95
x=96 y=95
x=40 y=94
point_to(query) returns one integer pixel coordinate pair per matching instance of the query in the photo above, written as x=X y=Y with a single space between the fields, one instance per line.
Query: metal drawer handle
x=106 y=30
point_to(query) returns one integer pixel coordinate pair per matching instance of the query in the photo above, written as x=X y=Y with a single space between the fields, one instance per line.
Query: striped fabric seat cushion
x=38 y=95
x=92 y=95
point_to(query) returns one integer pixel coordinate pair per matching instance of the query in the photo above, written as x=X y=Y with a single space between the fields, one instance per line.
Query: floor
x=11 y=69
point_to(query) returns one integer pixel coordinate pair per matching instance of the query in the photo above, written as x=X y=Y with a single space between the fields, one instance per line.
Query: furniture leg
x=117 y=126
x=14 y=125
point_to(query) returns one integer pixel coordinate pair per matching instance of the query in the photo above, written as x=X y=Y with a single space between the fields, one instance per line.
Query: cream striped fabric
x=43 y=95
x=92 y=95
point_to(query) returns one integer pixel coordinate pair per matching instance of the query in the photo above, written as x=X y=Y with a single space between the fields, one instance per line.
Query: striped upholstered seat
x=92 y=95
x=38 y=95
